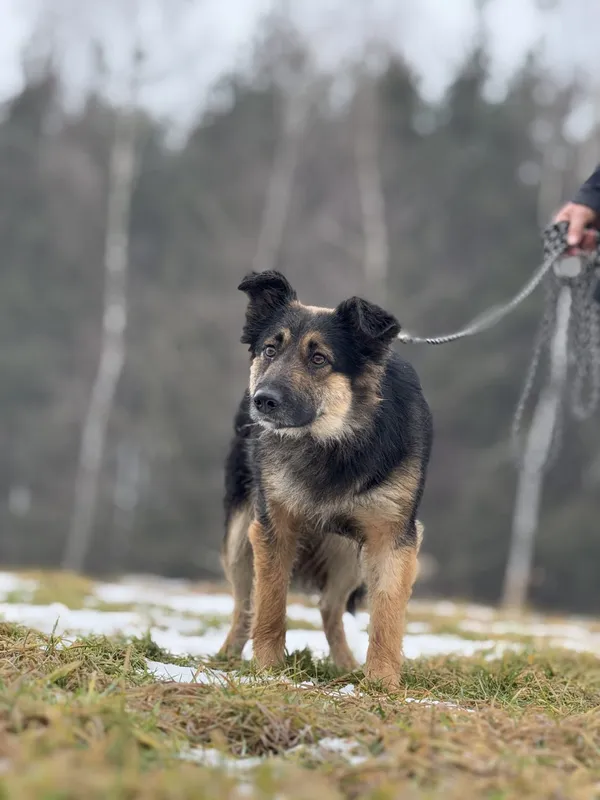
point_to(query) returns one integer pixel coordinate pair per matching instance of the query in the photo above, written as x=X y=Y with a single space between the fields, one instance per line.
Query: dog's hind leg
x=343 y=576
x=237 y=560
x=274 y=548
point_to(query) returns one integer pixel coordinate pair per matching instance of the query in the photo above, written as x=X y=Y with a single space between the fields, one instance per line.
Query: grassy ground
x=86 y=719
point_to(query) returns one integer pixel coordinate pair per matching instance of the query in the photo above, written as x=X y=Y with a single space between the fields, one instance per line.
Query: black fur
x=382 y=437
x=268 y=293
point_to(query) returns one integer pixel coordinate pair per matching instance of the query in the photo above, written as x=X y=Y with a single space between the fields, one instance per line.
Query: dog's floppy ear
x=268 y=292
x=373 y=328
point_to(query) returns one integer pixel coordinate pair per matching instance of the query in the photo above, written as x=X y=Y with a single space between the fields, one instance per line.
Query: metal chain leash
x=585 y=393
x=553 y=250
x=583 y=334
x=583 y=345
x=539 y=354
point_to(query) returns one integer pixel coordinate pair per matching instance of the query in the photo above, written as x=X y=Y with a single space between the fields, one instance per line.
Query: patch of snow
x=173 y=672
x=142 y=594
x=348 y=749
x=443 y=703
x=528 y=628
x=203 y=676
x=209 y=757
x=176 y=634
x=300 y=613
x=9 y=583
x=208 y=644
x=160 y=605
x=64 y=620
x=357 y=636
x=417 y=627
x=430 y=644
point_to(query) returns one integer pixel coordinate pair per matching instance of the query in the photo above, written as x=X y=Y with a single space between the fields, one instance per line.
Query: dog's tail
x=359 y=594
x=356 y=598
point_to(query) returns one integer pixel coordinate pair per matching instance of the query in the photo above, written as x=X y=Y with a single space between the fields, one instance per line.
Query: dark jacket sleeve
x=589 y=194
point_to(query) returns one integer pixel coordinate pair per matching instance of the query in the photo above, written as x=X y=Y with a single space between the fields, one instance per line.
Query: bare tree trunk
x=126 y=495
x=526 y=512
x=281 y=179
x=372 y=201
x=116 y=257
x=539 y=442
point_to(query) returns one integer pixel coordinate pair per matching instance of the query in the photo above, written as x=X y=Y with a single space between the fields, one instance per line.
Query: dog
x=324 y=476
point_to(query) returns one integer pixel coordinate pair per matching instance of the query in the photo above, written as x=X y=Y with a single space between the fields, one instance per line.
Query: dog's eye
x=318 y=359
x=270 y=351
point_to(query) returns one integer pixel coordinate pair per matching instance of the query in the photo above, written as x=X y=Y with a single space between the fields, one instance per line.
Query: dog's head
x=311 y=365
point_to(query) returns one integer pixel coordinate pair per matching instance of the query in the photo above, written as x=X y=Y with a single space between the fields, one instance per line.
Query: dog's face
x=309 y=365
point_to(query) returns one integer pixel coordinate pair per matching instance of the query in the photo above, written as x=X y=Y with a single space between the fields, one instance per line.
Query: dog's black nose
x=267 y=400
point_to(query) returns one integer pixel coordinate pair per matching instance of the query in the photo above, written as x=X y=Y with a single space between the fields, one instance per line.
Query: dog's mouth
x=285 y=427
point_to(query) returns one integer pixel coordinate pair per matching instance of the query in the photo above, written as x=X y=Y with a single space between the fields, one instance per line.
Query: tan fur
x=313 y=309
x=391 y=568
x=254 y=375
x=391 y=573
x=369 y=384
x=343 y=568
x=394 y=499
x=336 y=404
x=237 y=564
x=282 y=487
x=285 y=336
x=333 y=626
x=420 y=533
x=312 y=340
x=273 y=559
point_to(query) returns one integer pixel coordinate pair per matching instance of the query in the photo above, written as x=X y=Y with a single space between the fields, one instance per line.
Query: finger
x=564 y=214
x=578 y=219
x=589 y=241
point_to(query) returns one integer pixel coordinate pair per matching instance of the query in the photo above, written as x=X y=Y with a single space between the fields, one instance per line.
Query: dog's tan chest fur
x=386 y=503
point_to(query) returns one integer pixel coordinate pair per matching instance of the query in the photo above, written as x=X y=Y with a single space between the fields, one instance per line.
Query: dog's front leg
x=391 y=566
x=274 y=547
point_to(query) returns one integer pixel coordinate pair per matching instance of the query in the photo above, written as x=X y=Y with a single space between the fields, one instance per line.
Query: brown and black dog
x=325 y=474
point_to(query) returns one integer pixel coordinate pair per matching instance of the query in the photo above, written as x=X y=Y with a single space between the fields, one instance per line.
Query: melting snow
x=347 y=749
x=176 y=617
x=10 y=583
x=209 y=757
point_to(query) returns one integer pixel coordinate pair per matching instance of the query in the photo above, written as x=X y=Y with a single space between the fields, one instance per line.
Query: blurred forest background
x=348 y=180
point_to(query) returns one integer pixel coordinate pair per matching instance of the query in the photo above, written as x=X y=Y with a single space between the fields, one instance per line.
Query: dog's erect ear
x=268 y=292
x=374 y=329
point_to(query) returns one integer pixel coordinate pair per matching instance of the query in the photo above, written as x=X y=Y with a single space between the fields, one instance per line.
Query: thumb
x=577 y=223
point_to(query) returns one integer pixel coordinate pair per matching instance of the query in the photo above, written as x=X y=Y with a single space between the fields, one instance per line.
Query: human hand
x=580 y=237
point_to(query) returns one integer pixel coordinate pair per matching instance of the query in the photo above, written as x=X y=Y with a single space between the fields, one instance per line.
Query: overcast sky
x=193 y=42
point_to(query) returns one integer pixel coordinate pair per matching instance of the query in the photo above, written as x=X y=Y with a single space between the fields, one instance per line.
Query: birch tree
x=295 y=88
x=114 y=322
x=368 y=170
x=526 y=512
x=370 y=190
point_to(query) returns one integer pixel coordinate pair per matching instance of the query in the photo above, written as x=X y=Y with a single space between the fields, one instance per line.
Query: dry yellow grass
x=88 y=721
